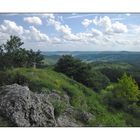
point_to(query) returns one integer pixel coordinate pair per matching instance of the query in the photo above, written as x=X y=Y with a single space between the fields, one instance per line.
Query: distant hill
x=123 y=56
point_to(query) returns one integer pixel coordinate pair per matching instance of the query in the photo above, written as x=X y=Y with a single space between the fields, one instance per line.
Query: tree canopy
x=81 y=72
x=12 y=55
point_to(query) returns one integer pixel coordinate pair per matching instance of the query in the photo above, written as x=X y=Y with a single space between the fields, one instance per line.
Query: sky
x=73 y=31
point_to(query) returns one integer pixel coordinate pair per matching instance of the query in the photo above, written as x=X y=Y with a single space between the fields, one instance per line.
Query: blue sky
x=74 y=31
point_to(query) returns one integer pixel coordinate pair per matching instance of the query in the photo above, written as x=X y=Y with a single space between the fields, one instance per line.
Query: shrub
x=134 y=109
x=122 y=94
x=109 y=119
x=77 y=97
x=59 y=108
x=81 y=72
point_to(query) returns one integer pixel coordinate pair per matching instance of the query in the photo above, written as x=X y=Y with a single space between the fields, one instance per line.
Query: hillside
x=47 y=81
x=104 y=56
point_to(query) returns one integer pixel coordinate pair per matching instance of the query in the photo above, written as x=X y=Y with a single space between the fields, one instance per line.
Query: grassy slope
x=81 y=97
x=116 y=65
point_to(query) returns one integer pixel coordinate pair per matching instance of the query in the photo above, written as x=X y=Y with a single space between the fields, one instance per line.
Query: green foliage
x=11 y=55
x=81 y=72
x=77 y=96
x=121 y=94
x=34 y=58
x=95 y=105
x=134 y=109
x=59 y=108
x=112 y=73
x=127 y=88
x=109 y=119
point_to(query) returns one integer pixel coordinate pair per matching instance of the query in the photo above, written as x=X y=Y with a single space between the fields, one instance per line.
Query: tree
x=122 y=94
x=67 y=65
x=12 y=55
x=81 y=72
x=7 y=51
x=112 y=73
x=34 y=58
x=127 y=88
x=20 y=58
x=13 y=44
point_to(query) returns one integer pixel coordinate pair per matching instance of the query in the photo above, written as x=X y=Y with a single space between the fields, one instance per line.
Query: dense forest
x=106 y=85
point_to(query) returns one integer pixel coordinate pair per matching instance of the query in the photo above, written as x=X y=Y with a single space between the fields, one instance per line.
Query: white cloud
x=59 y=27
x=106 y=25
x=33 y=20
x=117 y=19
x=11 y=27
x=105 y=22
x=32 y=34
x=110 y=28
x=86 y=22
x=55 y=40
x=134 y=28
x=96 y=32
x=118 y=27
x=49 y=16
x=35 y=35
x=71 y=37
x=64 y=29
x=95 y=20
x=60 y=18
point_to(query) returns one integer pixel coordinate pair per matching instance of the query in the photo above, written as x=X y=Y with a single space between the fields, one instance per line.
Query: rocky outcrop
x=23 y=108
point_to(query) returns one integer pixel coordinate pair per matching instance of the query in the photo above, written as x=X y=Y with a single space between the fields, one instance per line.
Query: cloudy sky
x=73 y=31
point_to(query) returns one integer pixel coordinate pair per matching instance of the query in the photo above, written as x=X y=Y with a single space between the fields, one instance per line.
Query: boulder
x=25 y=108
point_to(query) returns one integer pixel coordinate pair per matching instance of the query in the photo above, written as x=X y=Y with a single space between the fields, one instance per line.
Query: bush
x=121 y=94
x=112 y=73
x=59 y=108
x=115 y=120
x=81 y=72
x=77 y=97
x=134 y=109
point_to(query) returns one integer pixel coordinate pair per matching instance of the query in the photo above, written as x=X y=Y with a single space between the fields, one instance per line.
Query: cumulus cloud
x=106 y=25
x=86 y=22
x=96 y=32
x=71 y=37
x=31 y=34
x=49 y=16
x=55 y=40
x=134 y=28
x=11 y=27
x=64 y=29
x=35 y=35
x=118 y=27
x=110 y=28
x=33 y=20
x=105 y=22
x=59 y=27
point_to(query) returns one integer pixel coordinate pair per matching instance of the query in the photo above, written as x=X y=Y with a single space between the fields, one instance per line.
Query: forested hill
x=124 y=56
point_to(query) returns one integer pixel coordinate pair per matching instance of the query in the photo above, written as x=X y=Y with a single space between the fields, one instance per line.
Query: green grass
x=41 y=79
x=81 y=97
x=116 y=65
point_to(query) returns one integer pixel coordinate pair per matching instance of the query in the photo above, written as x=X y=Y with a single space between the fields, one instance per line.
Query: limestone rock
x=24 y=108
